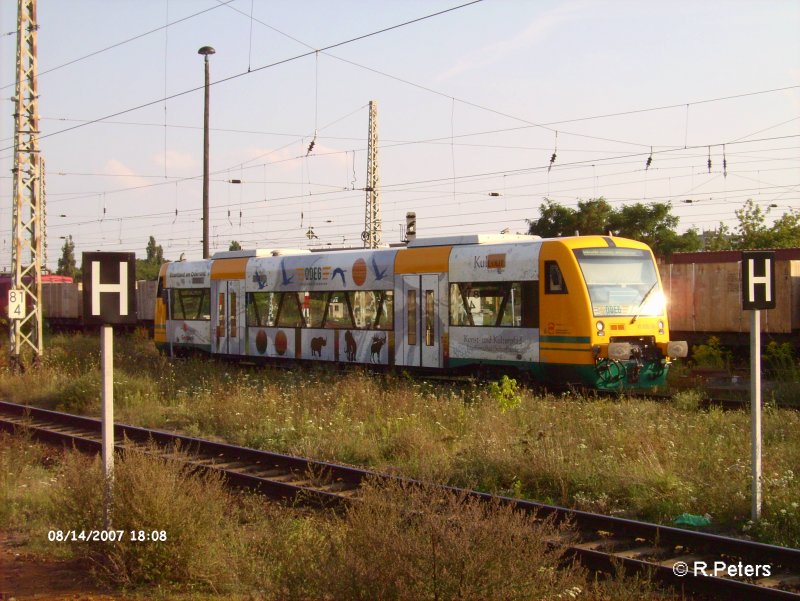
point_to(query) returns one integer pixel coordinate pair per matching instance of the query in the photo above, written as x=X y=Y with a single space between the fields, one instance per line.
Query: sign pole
x=755 y=410
x=758 y=292
x=109 y=297
x=107 y=365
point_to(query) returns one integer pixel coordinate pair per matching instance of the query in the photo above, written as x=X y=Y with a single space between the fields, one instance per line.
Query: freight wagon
x=62 y=301
x=704 y=298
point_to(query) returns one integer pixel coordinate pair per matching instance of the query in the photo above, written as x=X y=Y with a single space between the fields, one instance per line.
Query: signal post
x=758 y=292
x=109 y=297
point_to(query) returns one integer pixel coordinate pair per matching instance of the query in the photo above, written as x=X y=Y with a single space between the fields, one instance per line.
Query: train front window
x=621 y=281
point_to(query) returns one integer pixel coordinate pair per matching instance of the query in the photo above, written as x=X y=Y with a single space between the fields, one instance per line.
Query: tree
x=66 y=264
x=148 y=268
x=718 y=239
x=235 y=245
x=155 y=254
x=753 y=231
x=593 y=216
x=653 y=224
x=786 y=230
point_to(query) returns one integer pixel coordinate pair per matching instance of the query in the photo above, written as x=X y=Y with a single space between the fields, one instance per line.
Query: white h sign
x=104 y=275
x=764 y=280
x=121 y=288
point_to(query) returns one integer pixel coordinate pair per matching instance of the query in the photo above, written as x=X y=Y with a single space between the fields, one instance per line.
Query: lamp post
x=205 y=51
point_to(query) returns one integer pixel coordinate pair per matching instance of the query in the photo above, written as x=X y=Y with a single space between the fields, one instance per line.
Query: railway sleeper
x=780 y=580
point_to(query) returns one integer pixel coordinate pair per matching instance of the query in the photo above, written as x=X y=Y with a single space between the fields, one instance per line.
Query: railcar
x=587 y=310
x=704 y=290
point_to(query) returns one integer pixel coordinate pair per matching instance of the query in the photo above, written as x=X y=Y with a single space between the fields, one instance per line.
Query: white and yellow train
x=587 y=310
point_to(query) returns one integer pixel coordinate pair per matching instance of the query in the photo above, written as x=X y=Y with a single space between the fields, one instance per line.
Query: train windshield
x=621 y=281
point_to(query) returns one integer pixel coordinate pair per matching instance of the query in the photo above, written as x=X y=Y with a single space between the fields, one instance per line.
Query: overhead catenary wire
x=257 y=69
x=123 y=42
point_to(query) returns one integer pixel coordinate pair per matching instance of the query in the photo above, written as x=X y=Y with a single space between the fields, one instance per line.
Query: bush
x=711 y=354
x=506 y=393
x=410 y=542
x=150 y=494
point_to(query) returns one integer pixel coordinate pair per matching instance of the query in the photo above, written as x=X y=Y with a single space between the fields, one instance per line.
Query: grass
x=621 y=456
x=396 y=543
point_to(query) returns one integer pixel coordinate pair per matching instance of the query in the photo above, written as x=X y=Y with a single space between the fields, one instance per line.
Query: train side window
x=411 y=309
x=372 y=309
x=530 y=304
x=494 y=304
x=234 y=310
x=554 y=281
x=317 y=301
x=190 y=304
x=384 y=320
x=261 y=308
x=290 y=311
x=460 y=308
x=429 y=314
x=340 y=310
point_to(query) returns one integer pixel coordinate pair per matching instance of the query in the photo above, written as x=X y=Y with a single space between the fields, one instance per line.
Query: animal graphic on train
x=375 y=349
x=317 y=344
x=350 y=346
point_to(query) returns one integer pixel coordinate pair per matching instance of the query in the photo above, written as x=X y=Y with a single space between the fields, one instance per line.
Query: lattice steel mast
x=372 y=219
x=27 y=211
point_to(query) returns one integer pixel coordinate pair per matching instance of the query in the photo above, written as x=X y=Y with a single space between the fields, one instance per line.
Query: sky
x=471 y=106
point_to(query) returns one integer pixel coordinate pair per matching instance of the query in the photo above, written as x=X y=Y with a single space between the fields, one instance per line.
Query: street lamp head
x=206 y=50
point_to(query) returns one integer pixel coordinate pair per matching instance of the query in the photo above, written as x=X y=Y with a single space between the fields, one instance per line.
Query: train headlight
x=600 y=328
x=660 y=327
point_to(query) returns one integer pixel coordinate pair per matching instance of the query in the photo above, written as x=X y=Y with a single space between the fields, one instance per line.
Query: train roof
x=459 y=240
x=259 y=252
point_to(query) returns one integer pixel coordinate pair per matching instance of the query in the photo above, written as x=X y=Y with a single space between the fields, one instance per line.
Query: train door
x=420 y=344
x=229 y=317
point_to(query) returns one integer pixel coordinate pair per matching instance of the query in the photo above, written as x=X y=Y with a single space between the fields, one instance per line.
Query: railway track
x=598 y=542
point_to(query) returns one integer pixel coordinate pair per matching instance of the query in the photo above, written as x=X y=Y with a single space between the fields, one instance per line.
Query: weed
x=150 y=494
x=505 y=393
x=712 y=354
x=646 y=459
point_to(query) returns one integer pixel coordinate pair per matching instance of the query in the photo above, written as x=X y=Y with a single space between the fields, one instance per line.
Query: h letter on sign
x=121 y=288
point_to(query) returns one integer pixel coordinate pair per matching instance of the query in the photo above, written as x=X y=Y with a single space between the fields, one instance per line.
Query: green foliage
x=150 y=494
x=154 y=252
x=400 y=541
x=412 y=542
x=653 y=224
x=648 y=459
x=754 y=232
x=719 y=239
x=780 y=357
x=711 y=354
x=148 y=268
x=24 y=480
x=784 y=369
x=66 y=264
x=235 y=245
x=506 y=393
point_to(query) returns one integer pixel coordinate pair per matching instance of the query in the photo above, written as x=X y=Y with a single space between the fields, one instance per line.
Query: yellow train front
x=587 y=310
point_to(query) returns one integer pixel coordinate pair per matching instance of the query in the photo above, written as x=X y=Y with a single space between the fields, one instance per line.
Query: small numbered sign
x=16 y=304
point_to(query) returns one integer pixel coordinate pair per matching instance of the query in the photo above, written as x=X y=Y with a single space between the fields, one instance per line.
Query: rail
x=599 y=542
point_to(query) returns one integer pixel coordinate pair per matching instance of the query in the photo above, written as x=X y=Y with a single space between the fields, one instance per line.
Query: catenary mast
x=28 y=200
x=372 y=217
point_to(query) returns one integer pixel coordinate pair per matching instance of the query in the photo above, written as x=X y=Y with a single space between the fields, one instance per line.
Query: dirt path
x=25 y=577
